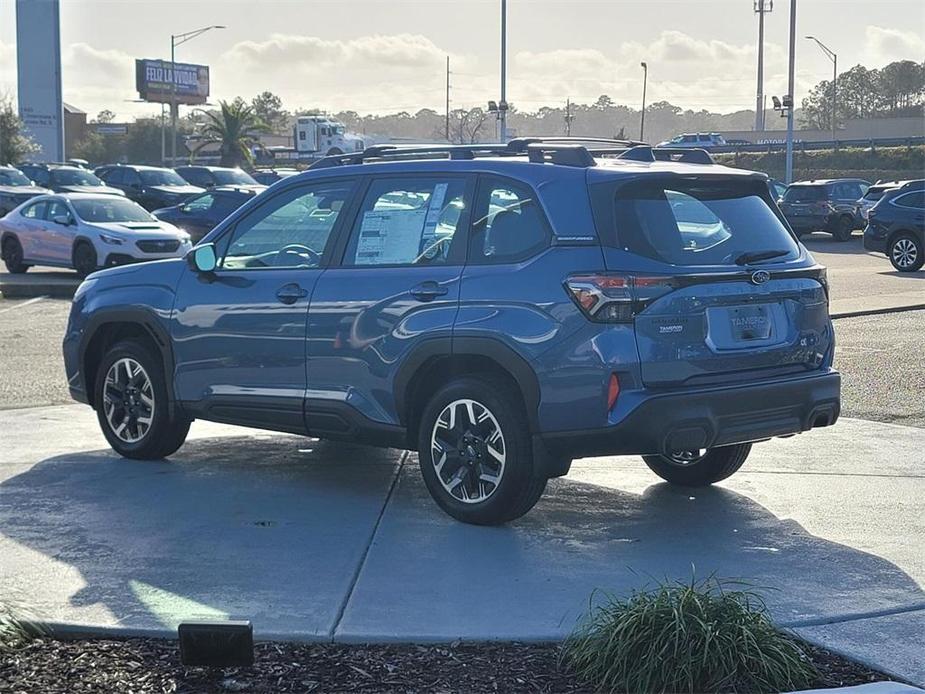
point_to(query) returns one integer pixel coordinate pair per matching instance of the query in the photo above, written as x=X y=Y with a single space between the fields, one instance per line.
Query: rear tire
x=83 y=258
x=713 y=465
x=843 y=228
x=134 y=412
x=906 y=253
x=475 y=453
x=13 y=256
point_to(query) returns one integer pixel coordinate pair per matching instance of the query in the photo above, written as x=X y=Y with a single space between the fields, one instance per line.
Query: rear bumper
x=873 y=240
x=704 y=418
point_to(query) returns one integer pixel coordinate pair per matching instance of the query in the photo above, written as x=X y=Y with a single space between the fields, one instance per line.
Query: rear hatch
x=720 y=290
x=805 y=200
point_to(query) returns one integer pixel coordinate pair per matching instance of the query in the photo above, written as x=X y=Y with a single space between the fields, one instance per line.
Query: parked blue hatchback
x=501 y=309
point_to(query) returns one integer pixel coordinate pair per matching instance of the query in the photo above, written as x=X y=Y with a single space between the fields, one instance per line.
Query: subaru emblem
x=760 y=276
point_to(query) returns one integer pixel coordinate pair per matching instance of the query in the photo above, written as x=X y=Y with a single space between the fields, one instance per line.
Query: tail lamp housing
x=606 y=297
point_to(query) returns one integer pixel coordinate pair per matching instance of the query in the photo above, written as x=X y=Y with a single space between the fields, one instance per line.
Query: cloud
x=314 y=55
x=882 y=46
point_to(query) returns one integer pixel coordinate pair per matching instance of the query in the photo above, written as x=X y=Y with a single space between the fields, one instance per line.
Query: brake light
x=615 y=297
x=613 y=391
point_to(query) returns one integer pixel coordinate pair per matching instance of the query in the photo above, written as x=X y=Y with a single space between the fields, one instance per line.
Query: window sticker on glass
x=390 y=237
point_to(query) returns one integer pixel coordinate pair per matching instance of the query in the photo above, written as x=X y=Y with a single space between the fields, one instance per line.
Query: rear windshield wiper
x=748 y=258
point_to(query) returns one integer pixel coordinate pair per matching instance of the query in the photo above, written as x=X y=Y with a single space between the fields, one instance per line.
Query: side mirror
x=62 y=219
x=202 y=258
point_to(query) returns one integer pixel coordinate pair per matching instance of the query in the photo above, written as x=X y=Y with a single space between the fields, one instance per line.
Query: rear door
x=396 y=285
x=59 y=238
x=31 y=229
x=708 y=308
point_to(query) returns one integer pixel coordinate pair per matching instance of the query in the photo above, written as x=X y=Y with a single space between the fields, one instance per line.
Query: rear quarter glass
x=692 y=222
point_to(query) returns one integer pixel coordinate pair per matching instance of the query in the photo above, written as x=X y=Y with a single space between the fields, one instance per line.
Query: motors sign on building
x=38 y=68
x=154 y=78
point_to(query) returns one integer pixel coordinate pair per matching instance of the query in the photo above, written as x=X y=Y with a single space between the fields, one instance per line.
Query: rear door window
x=915 y=200
x=36 y=211
x=699 y=223
x=804 y=194
x=509 y=224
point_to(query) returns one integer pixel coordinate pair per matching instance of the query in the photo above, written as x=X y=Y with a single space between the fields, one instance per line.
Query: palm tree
x=234 y=129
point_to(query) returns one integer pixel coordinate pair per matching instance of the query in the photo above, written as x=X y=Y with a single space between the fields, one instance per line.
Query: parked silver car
x=85 y=231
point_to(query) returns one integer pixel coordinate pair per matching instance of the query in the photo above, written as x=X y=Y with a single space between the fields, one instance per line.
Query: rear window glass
x=699 y=223
x=874 y=193
x=805 y=194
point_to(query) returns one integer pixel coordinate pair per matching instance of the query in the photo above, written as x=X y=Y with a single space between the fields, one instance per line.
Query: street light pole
x=176 y=40
x=790 y=89
x=642 y=120
x=834 y=58
x=503 y=103
x=762 y=7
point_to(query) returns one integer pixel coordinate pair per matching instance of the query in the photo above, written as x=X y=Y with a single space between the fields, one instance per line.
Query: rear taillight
x=615 y=297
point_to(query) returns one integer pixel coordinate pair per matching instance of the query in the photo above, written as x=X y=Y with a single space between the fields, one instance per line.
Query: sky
x=383 y=56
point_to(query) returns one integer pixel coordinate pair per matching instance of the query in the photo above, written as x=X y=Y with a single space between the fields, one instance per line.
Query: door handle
x=428 y=291
x=290 y=293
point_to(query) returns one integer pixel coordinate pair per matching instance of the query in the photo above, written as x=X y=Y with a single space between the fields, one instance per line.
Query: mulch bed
x=147 y=666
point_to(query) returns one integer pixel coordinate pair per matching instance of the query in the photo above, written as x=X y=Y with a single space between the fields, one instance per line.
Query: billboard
x=153 y=81
x=38 y=68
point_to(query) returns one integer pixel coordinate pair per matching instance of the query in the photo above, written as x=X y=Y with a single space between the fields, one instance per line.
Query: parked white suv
x=86 y=231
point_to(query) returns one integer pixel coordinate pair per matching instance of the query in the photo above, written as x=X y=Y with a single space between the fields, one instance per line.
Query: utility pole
x=642 y=120
x=790 y=90
x=568 y=117
x=448 y=98
x=762 y=7
x=503 y=104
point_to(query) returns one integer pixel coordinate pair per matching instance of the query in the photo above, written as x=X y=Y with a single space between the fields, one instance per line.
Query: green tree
x=15 y=145
x=105 y=116
x=269 y=109
x=234 y=128
x=902 y=85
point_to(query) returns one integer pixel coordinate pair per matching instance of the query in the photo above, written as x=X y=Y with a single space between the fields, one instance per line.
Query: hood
x=176 y=190
x=103 y=190
x=141 y=228
x=22 y=191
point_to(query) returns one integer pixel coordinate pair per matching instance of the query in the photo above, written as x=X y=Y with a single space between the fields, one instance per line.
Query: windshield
x=233 y=177
x=162 y=177
x=699 y=222
x=12 y=177
x=111 y=210
x=804 y=194
x=74 y=177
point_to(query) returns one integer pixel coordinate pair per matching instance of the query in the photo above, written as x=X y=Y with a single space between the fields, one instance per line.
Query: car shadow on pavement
x=276 y=530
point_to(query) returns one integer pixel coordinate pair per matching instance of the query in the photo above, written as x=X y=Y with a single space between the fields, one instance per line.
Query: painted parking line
x=23 y=304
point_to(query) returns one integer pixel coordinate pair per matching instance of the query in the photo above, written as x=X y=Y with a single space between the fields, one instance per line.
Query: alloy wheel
x=128 y=400
x=468 y=451
x=905 y=253
x=685 y=458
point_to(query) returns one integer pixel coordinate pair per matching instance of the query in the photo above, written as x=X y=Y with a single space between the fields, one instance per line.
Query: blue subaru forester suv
x=501 y=309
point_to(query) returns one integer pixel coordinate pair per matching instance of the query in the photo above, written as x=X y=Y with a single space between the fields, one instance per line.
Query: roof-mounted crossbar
x=564 y=155
x=675 y=154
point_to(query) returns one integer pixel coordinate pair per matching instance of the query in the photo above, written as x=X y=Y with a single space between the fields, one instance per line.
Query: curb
x=877 y=311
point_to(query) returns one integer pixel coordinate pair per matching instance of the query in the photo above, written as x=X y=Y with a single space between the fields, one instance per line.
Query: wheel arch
x=439 y=360
x=107 y=327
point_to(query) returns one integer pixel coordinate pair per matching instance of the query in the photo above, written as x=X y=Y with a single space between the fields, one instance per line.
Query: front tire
x=476 y=455
x=13 y=256
x=906 y=253
x=83 y=258
x=132 y=403
x=699 y=468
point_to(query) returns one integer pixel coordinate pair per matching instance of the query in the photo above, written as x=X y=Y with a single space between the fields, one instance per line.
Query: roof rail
x=398 y=152
x=676 y=154
x=520 y=144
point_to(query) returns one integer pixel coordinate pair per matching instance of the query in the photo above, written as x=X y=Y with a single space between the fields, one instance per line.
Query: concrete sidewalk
x=321 y=541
